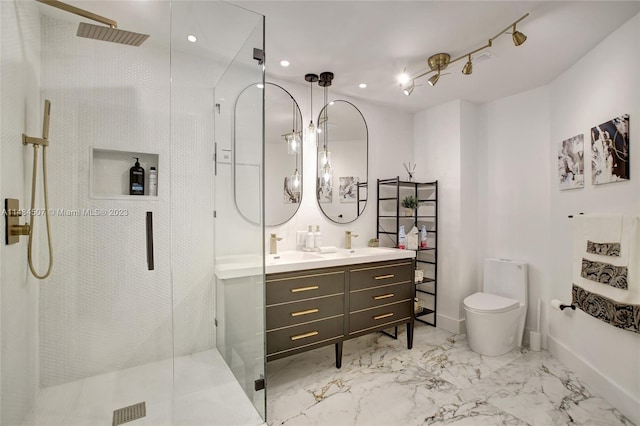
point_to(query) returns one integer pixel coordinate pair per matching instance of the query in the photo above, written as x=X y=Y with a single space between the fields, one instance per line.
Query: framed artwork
x=291 y=195
x=571 y=162
x=348 y=189
x=325 y=189
x=610 y=151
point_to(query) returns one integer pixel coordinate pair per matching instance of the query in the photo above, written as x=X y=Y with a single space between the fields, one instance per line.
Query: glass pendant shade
x=294 y=180
x=326 y=172
x=310 y=133
x=325 y=158
x=293 y=142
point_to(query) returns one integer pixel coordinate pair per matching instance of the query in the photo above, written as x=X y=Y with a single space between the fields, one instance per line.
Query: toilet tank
x=505 y=277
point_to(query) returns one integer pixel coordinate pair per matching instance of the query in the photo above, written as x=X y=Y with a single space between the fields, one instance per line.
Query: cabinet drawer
x=293 y=313
x=284 y=288
x=377 y=275
x=375 y=317
x=304 y=334
x=376 y=296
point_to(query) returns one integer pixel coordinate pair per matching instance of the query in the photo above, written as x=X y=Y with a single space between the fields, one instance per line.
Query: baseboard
x=452 y=325
x=615 y=395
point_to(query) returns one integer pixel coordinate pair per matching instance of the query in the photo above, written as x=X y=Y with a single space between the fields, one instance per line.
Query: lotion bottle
x=309 y=241
x=402 y=238
x=153 y=181
x=136 y=179
x=423 y=237
x=317 y=238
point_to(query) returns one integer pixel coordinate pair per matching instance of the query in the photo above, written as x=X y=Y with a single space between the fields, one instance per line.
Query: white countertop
x=227 y=267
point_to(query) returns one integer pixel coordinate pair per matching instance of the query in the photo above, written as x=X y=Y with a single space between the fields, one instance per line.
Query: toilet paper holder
x=563 y=307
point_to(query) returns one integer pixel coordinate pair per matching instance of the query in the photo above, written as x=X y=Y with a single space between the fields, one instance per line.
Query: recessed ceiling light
x=192 y=38
x=403 y=78
x=362 y=85
x=284 y=63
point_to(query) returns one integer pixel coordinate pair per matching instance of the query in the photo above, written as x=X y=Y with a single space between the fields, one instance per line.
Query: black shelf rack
x=390 y=193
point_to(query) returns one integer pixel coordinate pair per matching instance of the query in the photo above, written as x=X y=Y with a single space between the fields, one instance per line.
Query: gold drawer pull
x=383 y=277
x=379 y=317
x=304 y=336
x=307 y=312
x=299 y=289
x=383 y=296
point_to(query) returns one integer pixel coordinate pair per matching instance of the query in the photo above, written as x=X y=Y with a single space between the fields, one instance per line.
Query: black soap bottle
x=136 y=179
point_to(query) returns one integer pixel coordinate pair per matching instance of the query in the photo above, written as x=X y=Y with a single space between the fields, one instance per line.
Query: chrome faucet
x=347 y=239
x=273 y=244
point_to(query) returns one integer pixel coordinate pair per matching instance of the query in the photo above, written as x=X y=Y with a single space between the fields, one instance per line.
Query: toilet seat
x=489 y=303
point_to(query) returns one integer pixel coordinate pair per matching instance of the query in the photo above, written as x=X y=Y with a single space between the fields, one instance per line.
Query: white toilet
x=495 y=317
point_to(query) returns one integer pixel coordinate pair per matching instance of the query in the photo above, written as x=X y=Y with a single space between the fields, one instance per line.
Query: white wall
x=20 y=112
x=390 y=144
x=602 y=85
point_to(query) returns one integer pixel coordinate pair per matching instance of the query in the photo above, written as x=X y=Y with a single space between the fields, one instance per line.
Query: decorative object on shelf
x=571 y=162
x=440 y=61
x=610 y=151
x=419 y=275
x=410 y=170
x=410 y=204
x=374 y=242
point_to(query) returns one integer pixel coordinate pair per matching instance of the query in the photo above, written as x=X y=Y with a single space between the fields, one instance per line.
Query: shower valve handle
x=21 y=229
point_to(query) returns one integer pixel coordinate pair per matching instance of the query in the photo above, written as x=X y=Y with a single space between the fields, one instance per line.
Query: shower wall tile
x=20 y=112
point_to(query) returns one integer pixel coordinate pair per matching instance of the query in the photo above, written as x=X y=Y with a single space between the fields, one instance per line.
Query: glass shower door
x=240 y=237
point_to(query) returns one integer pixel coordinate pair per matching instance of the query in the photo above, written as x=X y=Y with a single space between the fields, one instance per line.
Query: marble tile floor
x=204 y=392
x=439 y=382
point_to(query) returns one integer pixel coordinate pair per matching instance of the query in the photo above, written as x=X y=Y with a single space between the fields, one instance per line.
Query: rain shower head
x=96 y=32
x=114 y=35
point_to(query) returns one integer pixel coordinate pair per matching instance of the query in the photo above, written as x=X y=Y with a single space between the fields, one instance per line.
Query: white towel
x=609 y=229
x=328 y=249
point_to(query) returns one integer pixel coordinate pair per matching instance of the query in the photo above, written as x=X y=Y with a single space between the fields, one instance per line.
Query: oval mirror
x=343 y=165
x=282 y=154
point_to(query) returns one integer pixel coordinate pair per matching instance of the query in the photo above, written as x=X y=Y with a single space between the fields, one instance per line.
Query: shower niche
x=109 y=173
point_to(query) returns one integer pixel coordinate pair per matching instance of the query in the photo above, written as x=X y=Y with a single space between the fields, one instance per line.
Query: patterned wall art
x=348 y=189
x=325 y=189
x=571 y=162
x=610 y=151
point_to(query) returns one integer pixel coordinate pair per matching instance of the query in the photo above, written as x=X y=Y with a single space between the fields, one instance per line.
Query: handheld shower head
x=45 y=119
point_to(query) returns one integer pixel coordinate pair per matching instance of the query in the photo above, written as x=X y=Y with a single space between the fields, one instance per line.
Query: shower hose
x=46 y=211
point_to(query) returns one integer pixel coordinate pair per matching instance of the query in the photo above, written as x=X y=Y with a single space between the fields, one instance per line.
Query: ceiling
x=373 y=41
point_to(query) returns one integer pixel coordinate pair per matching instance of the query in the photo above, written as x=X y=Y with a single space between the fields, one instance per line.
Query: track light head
x=409 y=89
x=468 y=67
x=434 y=79
x=518 y=37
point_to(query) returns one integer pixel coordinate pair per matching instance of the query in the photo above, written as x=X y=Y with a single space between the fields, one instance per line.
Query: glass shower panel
x=96 y=335
x=206 y=391
x=239 y=243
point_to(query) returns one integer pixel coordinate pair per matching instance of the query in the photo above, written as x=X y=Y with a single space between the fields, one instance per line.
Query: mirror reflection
x=341 y=175
x=282 y=154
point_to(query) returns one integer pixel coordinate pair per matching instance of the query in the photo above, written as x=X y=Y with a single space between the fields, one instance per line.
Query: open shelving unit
x=389 y=219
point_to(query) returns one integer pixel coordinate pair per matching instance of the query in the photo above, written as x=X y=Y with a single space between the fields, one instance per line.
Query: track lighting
x=468 y=67
x=518 y=37
x=409 y=89
x=440 y=61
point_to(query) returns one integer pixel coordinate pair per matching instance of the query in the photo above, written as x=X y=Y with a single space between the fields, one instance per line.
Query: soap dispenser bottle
x=136 y=179
x=309 y=239
x=402 y=238
x=317 y=238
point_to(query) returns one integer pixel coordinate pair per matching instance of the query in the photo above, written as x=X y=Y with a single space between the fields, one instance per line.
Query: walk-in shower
x=108 y=338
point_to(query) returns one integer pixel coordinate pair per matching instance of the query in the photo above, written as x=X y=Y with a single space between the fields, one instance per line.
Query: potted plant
x=410 y=204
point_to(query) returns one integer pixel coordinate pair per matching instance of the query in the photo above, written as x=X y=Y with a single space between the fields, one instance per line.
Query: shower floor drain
x=127 y=414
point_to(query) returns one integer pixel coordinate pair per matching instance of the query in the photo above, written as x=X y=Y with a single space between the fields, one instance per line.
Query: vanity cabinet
x=318 y=307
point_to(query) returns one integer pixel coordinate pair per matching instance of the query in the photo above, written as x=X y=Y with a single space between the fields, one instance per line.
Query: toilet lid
x=490 y=303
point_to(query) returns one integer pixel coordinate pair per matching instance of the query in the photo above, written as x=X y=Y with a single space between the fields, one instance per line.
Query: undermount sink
x=357 y=252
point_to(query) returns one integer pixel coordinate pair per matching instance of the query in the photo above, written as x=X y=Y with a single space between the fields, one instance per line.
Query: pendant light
x=325 y=156
x=310 y=131
x=292 y=139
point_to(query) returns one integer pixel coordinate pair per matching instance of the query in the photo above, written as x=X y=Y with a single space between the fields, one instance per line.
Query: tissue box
x=412 y=241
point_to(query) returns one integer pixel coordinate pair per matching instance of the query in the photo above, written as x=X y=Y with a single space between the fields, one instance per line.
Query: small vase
x=409 y=212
